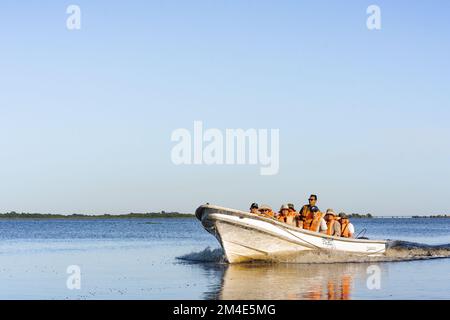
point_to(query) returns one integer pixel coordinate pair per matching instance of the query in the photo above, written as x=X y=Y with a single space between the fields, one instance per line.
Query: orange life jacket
x=306 y=216
x=313 y=223
x=330 y=229
x=305 y=212
x=269 y=214
x=309 y=222
x=281 y=218
x=344 y=229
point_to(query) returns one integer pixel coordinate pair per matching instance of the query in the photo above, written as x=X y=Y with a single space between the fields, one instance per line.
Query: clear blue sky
x=86 y=116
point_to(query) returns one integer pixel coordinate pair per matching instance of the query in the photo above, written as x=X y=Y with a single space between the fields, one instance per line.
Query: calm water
x=140 y=259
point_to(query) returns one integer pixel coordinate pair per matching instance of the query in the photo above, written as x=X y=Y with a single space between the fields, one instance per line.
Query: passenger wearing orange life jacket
x=254 y=208
x=347 y=228
x=291 y=208
x=305 y=215
x=298 y=220
x=333 y=227
x=283 y=213
x=292 y=215
x=266 y=210
x=305 y=211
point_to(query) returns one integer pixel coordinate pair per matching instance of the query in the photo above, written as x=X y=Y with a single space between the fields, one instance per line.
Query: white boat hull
x=246 y=237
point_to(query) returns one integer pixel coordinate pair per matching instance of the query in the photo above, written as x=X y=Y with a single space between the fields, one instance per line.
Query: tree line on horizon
x=162 y=214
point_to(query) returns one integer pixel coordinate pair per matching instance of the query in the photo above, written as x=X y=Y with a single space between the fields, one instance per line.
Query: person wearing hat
x=333 y=226
x=266 y=210
x=292 y=215
x=291 y=207
x=254 y=208
x=283 y=213
x=347 y=228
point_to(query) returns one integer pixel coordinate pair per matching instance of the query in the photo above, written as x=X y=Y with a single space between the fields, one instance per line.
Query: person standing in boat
x=347 y=228
x=305 y=214
x=305 y=211
x=333 y=226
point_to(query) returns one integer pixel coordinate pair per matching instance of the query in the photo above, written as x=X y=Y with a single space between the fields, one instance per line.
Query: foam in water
x=206 y=255
x=404 y=250
x=396 y=251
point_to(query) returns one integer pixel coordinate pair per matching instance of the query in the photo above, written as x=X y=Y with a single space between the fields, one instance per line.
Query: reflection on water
x=289 y=281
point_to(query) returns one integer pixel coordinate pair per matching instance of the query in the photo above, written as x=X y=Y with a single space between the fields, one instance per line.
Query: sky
x=86 y=116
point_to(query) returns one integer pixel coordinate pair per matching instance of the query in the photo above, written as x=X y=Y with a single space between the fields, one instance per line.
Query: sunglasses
x=311 y=199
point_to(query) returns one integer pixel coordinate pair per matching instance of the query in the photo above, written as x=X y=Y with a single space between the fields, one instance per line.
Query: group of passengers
x=310 y=218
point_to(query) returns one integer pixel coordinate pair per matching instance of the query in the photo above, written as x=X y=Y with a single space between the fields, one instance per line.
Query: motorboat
x=248 y=237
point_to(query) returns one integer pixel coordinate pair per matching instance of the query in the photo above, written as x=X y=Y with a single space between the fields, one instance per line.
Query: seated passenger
x=291 y=208
x=347 y=228
x=266 y=210
x=254 y=208
x=315 y=222
x=333 y=227
x=283 y=213
x=292 y=215
x=299 y=221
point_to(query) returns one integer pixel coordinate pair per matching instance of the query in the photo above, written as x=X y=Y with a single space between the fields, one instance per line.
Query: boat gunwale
x=239 y=213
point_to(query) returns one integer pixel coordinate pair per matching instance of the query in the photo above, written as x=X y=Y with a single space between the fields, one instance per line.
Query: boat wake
x=396 y=251
x=206 y=255
x=405 y=250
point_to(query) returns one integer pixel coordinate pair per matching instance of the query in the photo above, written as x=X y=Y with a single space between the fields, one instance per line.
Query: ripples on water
x=177 y=259
x=206 y=255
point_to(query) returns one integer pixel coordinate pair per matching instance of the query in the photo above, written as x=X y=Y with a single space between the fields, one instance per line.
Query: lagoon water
x=177 y=259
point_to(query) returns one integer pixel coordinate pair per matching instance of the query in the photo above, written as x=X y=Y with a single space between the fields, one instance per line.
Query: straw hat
x=331 y=211
x=265 y=207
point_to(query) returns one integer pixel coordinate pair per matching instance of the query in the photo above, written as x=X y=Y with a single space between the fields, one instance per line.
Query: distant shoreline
x=165 y=215
x=150 y=215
